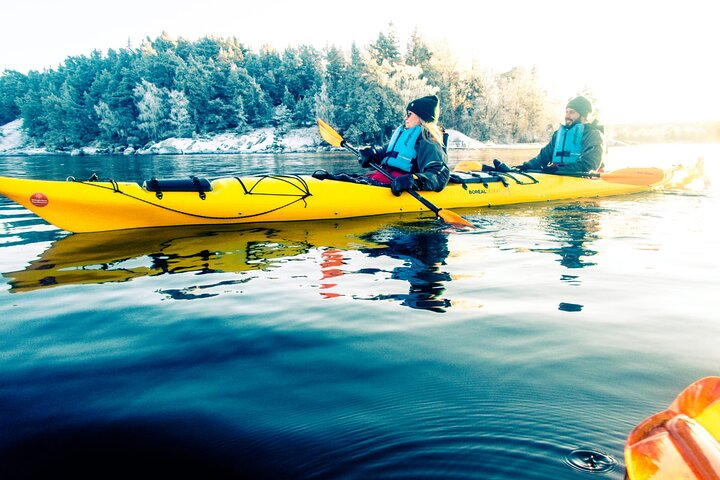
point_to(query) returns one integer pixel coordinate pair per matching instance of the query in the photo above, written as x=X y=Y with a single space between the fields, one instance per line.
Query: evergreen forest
x=173 y=87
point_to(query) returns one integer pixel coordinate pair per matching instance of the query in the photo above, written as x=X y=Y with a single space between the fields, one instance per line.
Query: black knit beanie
x=581 y=105
x=427 y=108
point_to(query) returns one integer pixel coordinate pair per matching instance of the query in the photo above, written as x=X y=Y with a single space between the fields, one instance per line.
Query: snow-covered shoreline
x=14 y=141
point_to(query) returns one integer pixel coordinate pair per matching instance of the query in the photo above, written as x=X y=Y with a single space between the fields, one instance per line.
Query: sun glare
x=642 y=61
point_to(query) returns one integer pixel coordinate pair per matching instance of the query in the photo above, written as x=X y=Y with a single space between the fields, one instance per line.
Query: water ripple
x=389 y=347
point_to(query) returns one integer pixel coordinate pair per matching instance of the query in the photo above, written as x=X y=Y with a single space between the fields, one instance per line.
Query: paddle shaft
x=335 y=139
x=568 y=174
x=626 y=176
x=387 y=175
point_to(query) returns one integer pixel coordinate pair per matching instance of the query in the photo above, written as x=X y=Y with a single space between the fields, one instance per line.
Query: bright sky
x=644 y=60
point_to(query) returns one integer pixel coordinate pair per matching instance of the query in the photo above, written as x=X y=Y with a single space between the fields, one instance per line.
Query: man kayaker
x=576 y=147
x=414 y=156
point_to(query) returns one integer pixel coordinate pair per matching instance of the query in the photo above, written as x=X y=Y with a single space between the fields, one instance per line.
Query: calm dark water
x=391 y=347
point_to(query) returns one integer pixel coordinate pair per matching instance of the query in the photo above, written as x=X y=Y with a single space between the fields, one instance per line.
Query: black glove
x=402 y=183
x=370 y=154
x=549 y=168
x=500 y=166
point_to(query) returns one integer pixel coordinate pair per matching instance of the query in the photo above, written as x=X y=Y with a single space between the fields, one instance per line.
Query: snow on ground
x=460 y=140
x=302 y=140
x=11 y=137
x=260 y=140
x=14 y=141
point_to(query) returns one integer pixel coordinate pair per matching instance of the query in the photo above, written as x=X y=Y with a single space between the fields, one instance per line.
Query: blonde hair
x=432 y=132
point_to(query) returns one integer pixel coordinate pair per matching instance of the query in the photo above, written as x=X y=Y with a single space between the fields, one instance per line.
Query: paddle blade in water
x=634 y=176
x=454 y=219
x=682 y=441
x=329 y=134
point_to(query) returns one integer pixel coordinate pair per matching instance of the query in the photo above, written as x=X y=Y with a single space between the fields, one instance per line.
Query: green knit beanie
x=581 y=105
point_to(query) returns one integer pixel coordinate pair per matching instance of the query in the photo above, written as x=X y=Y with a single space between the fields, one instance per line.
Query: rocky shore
x=14 y=141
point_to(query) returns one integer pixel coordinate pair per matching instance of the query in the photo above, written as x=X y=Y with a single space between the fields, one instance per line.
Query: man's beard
x=572 y=122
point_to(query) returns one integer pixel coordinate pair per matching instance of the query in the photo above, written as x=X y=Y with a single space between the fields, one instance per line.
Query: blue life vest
x=401 y=149
x=568 y=144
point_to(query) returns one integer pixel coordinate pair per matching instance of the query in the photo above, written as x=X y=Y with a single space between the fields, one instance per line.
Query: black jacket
x=593 y=143
x=432 y=170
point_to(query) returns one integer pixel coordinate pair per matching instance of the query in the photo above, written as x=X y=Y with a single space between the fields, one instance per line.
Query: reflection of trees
x=574 y=226
x=423 y=255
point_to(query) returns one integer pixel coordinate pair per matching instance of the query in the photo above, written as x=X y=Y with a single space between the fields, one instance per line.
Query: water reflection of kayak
x=118 y=256
x=88 y=206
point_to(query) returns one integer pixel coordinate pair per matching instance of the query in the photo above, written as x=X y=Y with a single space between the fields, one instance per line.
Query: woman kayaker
x=576 y=147
x=414 y=156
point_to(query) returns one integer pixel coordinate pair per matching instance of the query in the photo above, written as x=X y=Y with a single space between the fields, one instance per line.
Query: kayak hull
x=91 y=206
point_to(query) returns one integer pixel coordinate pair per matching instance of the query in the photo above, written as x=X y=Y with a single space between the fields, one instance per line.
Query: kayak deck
x=87 y=206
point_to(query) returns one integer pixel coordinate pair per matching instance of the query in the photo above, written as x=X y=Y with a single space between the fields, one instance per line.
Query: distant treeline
x=667 y=132
x=173 y=87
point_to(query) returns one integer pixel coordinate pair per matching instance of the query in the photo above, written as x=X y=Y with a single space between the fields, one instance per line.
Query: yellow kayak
x=681 y=442
x=91 y=206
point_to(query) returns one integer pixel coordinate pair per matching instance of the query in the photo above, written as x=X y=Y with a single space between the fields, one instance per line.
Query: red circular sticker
x=38 y=199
